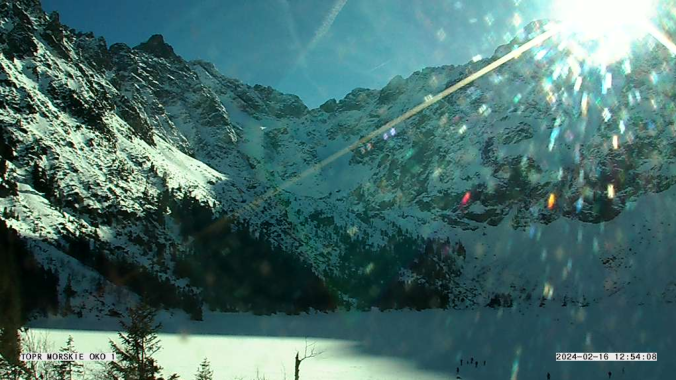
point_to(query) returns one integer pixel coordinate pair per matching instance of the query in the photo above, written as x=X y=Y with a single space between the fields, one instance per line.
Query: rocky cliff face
x=502 y=193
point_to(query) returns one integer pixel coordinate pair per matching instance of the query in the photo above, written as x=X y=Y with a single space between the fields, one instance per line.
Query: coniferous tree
x=204 y=371
x=10 y=349
x=6 y=154
x=68 y=292
x=41 y=180
x=139 y=342
x=3 y=168
x=69 y=370
x=11 y=307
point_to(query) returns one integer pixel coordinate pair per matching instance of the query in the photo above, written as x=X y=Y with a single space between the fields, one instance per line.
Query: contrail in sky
x=319 y=34
x=328 y=21
x=323 y=29
x=379 y=66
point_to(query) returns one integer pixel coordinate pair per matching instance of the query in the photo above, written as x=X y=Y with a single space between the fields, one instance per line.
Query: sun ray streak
x=539 y=39
x=661 y=37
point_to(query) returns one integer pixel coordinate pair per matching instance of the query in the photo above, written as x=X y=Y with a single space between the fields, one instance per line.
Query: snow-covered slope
x=514 y=180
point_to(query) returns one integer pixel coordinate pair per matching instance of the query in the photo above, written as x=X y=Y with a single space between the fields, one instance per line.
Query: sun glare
x=605 y=29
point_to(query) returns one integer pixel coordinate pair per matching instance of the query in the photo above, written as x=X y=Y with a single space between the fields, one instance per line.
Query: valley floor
x=426 y=345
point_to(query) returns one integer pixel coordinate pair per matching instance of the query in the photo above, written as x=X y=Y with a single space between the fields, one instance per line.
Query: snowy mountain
x=131 y=171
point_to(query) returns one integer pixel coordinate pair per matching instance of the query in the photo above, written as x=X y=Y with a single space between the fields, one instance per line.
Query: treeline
x=25 y=288
x=434 y=273
x=240 y=271
x=7 y=187
x=405 y=273
x=156 y=290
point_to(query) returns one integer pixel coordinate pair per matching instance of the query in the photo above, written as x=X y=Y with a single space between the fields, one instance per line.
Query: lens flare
x=551 y=202
x=604 y=29
x=595 y=18
x=466 y=198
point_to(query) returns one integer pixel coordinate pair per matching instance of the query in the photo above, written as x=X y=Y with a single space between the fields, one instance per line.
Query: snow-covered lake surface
x=425 y=345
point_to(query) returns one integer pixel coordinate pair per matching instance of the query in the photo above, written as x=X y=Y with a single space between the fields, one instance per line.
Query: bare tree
x=98 y=371
x=283 y=371
x=306 y=355
x=34 y=342
x=259 y=376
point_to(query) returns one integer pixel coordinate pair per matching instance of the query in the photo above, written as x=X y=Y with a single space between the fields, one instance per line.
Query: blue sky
x=315 y=49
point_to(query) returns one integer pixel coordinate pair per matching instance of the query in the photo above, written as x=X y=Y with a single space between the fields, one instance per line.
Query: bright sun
x=605 y=29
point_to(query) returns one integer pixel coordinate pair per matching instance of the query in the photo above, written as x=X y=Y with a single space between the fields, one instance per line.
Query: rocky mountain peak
x=157 y=47
x=393 y=90
x=29 y=6
x=329 y=106
x=528 y=32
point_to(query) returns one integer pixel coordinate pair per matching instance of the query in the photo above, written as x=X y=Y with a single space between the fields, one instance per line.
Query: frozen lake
x=423 y=345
